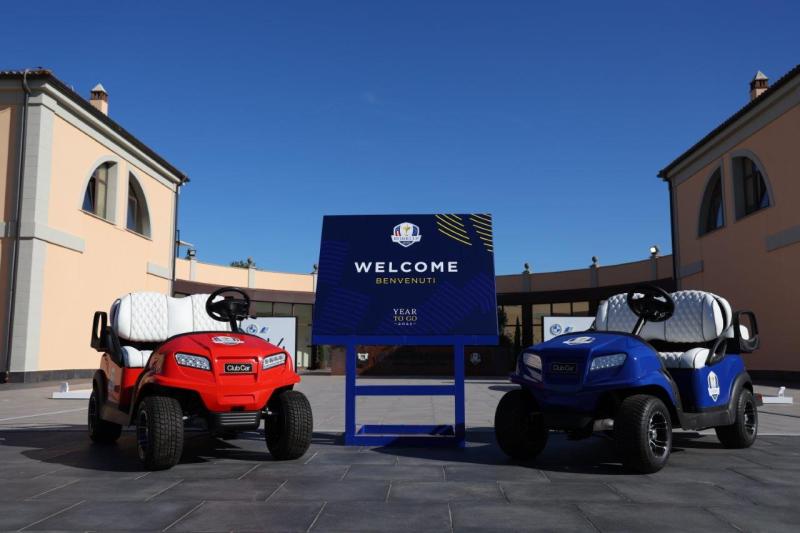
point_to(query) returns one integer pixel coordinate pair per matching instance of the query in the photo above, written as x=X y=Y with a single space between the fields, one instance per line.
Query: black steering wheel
x=650 y=304
x=228 y=309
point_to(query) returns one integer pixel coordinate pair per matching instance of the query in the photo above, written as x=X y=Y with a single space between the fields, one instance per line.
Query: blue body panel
x=700 y=390
x=559 y=389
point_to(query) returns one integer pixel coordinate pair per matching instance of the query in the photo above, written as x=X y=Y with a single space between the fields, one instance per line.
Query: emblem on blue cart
x=579 y=340
x=713 y=385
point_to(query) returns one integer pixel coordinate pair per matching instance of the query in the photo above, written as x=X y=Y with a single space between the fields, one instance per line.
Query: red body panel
x=219 y=391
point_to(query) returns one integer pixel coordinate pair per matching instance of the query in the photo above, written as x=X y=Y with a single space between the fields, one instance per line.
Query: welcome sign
x=406 y=276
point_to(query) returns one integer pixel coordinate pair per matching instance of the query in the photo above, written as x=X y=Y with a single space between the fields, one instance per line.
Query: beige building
x=88 y=213
x=735 y=198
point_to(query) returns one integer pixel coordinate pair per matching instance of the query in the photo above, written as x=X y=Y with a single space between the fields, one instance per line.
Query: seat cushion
x=694 y=358
x=153 y=317
x=699 y=317
x=133 y=358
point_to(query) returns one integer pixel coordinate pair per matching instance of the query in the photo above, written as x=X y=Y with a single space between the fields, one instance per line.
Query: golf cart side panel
x=709 y=387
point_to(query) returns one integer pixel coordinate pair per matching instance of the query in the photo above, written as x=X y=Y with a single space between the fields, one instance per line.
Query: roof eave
x=665 y=172
x=47 y=76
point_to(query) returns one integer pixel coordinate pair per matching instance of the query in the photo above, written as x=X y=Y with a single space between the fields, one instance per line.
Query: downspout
x=12 y=282
x=176 y=236
x=673 y=232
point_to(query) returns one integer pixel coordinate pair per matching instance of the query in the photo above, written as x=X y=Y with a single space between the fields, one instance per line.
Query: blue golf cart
x=652 y=361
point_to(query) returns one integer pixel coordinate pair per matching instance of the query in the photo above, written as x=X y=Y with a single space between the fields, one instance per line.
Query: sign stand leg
x=460 y=422
x=350 y=395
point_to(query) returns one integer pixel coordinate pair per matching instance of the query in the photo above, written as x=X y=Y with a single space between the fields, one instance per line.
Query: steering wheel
x=228 y=309
x=650 y=304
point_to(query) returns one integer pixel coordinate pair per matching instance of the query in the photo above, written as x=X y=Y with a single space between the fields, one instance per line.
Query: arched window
x=750 y=187
x=96 y=198
x=138 y=219
x=712 y=211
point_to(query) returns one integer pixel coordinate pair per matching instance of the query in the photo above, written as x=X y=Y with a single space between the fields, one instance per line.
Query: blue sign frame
x=456 y=298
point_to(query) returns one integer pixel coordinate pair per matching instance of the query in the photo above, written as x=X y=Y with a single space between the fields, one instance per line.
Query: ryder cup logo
x=579 y=340
x=405 y=234
x=713 y=386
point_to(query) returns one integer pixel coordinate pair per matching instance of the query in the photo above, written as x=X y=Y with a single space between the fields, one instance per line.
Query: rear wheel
x=159 y=432
x=100 y=431
x=643 y=432
x=289 y=426
x=743 y=432
x=518 y=428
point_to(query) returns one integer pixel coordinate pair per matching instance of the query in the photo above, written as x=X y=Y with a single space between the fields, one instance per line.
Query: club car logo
x=226 y=340
x=713 y=386
x=238 y=368
x=405 y=234
x=563 y=368
x=579 y=340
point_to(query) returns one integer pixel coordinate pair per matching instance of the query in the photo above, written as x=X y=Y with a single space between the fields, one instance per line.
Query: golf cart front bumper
x=563 y=410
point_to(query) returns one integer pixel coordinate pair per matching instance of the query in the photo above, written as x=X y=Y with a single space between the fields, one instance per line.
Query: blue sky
x=553 y=116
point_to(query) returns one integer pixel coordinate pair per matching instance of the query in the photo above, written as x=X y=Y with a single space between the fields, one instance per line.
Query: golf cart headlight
x=272 y=361
x=532 y=360
x=193 y=361
x=608 y=361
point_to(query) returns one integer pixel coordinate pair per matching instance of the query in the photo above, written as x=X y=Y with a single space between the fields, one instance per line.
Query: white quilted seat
x=699 y=318
x=152 y=317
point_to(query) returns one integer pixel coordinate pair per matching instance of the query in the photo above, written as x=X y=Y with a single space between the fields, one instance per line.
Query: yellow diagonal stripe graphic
x=455 y=229
x=455 y=219
x=446 y=233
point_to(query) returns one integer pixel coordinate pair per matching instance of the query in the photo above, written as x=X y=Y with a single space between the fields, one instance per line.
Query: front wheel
x=643 y=432
x=518 y=428
x=743 y=432
x=159 y=432
x=100 y=431
x=289 y=426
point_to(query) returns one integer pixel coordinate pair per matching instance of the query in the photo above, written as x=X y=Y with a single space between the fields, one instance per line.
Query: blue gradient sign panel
x=406 y=276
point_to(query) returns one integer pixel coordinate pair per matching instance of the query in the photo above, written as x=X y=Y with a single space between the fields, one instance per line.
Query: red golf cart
x=173 y=362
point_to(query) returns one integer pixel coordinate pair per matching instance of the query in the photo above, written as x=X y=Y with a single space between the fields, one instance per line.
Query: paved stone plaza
x=54 y=479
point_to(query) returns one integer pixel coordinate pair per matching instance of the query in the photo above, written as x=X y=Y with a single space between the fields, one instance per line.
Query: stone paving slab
x=54 y=478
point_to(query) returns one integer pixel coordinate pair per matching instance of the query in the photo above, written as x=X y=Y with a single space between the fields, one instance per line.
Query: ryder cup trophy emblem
x=405 y=234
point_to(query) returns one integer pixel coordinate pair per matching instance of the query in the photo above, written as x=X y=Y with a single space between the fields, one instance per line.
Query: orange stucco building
x=88 y=213
x=735 y=211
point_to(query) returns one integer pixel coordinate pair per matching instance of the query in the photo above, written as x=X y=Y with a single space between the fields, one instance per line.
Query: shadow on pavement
x=70 y=446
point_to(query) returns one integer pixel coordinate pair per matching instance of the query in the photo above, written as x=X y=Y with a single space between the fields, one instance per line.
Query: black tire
x=100 y=431
x=159 y=432
x=743 y=432
x=289 y=426
x=518 y=428
x=643 y=432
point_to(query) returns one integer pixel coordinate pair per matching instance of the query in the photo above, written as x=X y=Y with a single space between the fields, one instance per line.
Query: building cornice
x=771 y=99
x=43 y=81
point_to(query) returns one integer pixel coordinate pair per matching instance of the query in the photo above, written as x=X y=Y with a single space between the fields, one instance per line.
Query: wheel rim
x=750 y=422
x=142 y=434
x=658 y=434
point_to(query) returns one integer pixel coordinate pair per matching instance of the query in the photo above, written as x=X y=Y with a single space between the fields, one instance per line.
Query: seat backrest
x=150 y=317
x=699 y=317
